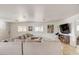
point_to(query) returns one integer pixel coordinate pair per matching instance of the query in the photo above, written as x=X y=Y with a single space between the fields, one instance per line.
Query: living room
x=39 y=24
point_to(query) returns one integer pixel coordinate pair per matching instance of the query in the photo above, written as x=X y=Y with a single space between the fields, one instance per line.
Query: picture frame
x=50 y=28
x=30 y=28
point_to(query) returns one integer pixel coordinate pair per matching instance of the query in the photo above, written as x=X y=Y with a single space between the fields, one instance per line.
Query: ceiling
x=37 y=12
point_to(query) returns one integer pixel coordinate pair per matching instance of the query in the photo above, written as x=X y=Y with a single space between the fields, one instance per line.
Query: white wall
x=4 y=27
x=72 y=23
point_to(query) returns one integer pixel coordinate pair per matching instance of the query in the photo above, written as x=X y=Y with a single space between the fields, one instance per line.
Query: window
x=77 y=27
x=39 y=29
x=21 y=28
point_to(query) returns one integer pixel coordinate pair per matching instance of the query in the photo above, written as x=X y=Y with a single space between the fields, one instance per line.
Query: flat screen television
x=65 y=28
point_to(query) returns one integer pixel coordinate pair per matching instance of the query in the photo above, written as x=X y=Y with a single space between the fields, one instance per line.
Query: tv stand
x=64 y=39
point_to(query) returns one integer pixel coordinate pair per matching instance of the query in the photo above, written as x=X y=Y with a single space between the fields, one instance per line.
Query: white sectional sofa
x=10 y=48
x=30 y=48
x=46 y=48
